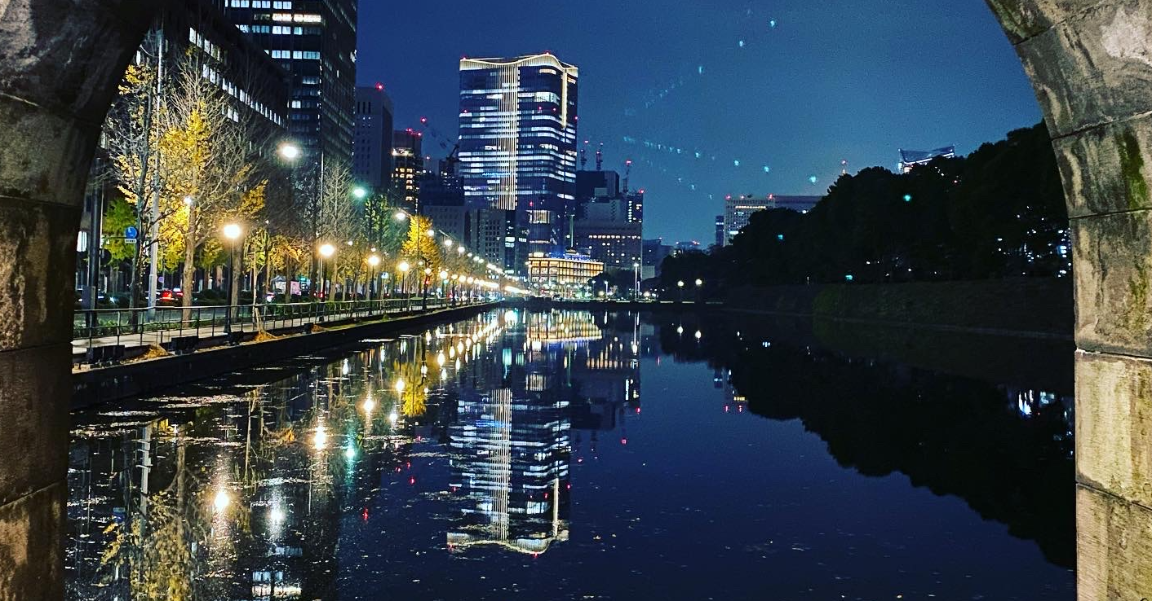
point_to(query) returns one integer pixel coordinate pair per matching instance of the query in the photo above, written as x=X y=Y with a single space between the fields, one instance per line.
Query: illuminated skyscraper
x=518 y=144
x=408 y=164
x=372 y=154
x=315 y=42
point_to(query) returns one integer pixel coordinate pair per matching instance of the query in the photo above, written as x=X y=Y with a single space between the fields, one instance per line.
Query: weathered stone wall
x=60 y=61
x=1090 y=61
x=1091 y=66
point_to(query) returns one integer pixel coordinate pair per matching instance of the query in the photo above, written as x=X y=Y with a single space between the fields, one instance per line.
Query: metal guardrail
x=161 y=325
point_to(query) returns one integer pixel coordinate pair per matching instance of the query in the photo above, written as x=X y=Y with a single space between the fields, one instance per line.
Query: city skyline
x=873 y=48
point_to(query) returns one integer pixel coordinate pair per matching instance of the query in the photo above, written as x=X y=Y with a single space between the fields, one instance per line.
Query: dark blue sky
x=833 y=80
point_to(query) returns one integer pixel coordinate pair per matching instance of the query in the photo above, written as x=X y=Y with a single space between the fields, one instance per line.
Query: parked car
x=168 y=297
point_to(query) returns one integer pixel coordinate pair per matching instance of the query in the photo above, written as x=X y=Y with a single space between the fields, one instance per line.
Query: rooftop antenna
x=600 y=157
x=584 y=156
x=627 y=173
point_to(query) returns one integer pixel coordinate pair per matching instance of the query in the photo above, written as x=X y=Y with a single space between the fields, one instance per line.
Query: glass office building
x=315 y=43
x=518 y=145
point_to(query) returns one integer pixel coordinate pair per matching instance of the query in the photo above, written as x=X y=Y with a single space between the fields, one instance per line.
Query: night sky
x=814 y=83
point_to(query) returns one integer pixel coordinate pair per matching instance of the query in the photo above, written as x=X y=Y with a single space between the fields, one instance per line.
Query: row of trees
x=999 y=212
x=186 y=158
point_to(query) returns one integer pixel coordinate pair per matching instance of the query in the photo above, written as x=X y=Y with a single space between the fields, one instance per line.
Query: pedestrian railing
x=162 y=325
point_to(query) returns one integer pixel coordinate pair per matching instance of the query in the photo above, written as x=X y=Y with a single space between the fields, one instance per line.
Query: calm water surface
x=575 y=455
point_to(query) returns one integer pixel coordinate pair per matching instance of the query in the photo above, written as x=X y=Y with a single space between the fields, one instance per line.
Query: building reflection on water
x=246 y=488
x=239 y=491
x=512 y=443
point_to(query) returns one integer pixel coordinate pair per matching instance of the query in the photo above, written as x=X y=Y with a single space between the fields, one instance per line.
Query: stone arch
x=1090 y=62
x=60 y=62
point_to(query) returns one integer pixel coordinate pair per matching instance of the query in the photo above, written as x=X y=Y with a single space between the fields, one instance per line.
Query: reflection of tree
x=414 y=396
x=950 y=434
x=155 y=546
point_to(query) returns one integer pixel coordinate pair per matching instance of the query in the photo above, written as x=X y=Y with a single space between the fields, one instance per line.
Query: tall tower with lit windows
x=315 y=42
x=518 y=147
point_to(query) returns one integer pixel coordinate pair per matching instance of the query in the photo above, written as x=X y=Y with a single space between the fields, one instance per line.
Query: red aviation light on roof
x=380 y=86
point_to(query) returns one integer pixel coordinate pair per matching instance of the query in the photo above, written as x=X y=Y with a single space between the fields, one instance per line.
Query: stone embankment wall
x=1035 y=307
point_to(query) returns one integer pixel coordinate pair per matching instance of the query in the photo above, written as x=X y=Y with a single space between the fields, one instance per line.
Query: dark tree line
x=997 y=213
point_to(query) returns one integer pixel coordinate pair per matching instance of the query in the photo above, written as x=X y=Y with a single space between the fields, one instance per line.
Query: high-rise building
x=408 y=164
x=597 y=184
x=655 y=251
x=738 y=210
x=634 y=202
x=196 y=35
x=490 y=235
x=720 y=237
x=372 y=153
x=616 y=243
x=608 y=224
x=518 y=144
x=453 y=220
x=199 y=31
x=315 y=42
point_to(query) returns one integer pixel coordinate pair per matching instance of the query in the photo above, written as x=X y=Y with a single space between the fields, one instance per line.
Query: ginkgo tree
x=208 y=170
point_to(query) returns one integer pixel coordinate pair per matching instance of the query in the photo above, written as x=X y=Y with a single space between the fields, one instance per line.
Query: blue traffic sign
x=131 y=233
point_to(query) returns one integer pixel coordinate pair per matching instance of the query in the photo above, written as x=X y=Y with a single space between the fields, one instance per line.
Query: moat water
x=583 y=455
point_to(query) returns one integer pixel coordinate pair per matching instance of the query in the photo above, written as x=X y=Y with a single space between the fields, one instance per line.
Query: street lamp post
x=326 y=251
x=680 y=285
x=404 y=267
x=636 y=281
x=290 y=153
x=424 y=288
x=373 y=262
x=699 y=292
x=232 y=233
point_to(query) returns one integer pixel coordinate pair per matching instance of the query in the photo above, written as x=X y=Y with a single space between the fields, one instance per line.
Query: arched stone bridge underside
x=1089 y=60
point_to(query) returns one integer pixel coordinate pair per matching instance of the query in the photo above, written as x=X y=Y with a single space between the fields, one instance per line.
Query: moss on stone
x=1132 y=169
x=1138 y=298
x=1018 y=18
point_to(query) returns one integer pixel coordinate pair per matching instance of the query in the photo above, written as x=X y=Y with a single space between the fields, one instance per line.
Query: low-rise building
x=562 y=272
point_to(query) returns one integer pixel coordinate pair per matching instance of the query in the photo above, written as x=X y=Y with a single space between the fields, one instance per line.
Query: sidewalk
x=215 y=329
